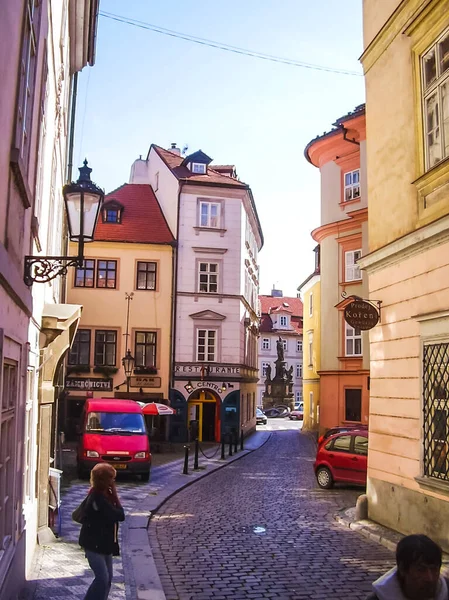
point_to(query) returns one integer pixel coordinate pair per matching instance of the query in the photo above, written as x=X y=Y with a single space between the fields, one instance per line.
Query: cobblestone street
x=261 y=528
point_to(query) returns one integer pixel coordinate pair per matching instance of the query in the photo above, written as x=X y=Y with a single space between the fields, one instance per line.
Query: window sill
x=352 y=282
x=350 y=202
x=432 y=188
x=435 y=485
x=214 y=229
x=18 y=168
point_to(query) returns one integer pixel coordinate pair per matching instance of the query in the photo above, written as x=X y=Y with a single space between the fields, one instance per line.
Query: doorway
x=203 y=416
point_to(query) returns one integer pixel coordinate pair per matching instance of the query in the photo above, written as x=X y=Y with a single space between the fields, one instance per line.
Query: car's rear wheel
x=324 y=478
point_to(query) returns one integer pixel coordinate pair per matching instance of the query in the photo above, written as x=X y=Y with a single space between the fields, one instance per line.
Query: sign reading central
x=361 y=315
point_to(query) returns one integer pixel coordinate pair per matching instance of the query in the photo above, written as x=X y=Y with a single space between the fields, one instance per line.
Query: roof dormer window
x=112 y=212
x=199 y=168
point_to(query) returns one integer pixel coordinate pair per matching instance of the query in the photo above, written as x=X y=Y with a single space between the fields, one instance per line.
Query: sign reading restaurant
x=361 y=315
x=88 y=384
x=212 y=369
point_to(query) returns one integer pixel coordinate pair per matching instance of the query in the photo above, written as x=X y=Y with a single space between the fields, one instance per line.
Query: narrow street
x=261 y=528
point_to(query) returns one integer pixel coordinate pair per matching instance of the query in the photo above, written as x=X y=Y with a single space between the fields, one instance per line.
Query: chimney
x=173 y=148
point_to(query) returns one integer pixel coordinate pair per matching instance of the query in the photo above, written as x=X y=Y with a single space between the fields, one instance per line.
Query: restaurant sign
x=144 y=381
x=360 y=314
x=88 y=384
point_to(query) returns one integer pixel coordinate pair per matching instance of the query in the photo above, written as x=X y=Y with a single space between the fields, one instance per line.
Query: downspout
x=175 y=292
x=345 y=133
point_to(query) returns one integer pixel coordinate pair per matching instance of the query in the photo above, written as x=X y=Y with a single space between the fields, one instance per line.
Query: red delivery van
x=114 y=431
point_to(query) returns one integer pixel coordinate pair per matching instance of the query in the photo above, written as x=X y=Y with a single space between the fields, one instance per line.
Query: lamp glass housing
x=128 y=363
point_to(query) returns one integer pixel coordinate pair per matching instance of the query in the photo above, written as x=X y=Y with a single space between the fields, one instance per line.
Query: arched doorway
x=204 y=414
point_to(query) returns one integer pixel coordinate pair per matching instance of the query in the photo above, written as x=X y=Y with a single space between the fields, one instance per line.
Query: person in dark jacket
x=99 y=531
x=416 y=575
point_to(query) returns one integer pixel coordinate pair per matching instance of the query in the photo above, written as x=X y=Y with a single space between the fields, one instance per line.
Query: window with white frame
x=352 y=185
x=285 y=345
x=310 y=304
x=298 y=345
x=199 y=168
x=266 y=345
x=310 y=350
x=210 y=214
x=298 y=395
x=265 y=366
x=208 y=277
x=298 y=370
x=206 y=347
x=352 y=270
x=353 y=341
x=283 y=321
x=435 y=86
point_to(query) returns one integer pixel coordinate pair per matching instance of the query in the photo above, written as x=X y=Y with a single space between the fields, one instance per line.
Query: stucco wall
x=375 y=14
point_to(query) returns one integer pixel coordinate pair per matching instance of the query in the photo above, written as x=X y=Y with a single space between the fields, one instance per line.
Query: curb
x=137 y=549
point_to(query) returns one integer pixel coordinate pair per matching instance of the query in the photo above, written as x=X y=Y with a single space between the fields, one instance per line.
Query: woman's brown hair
x=101 y=476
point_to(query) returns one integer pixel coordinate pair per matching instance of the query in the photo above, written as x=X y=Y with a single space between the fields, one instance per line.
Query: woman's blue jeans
x=101 y=565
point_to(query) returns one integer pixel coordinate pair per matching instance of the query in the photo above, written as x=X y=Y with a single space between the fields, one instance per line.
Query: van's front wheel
x=145 y=476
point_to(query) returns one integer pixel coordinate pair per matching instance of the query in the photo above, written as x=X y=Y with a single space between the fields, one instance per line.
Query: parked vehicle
x=114 y=431
x=261 y=417
x=342 y=458
x=341 y=429
x=297 y=414
x=299 y=405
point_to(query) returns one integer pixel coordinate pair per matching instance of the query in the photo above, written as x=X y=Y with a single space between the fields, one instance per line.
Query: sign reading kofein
x=361 y=315
x=88 y=384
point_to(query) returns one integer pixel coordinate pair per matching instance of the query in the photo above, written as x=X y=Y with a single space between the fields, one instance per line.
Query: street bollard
x=230 y=444
x=241 y=439
x=186 y=461
x=222 y=446
x=236 y=439
x=195 y=462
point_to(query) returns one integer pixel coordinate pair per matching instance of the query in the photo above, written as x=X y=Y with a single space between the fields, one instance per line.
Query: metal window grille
x=436 y=410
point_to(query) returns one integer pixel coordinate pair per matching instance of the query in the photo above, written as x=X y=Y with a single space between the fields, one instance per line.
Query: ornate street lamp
x=82 y=201
x=128 y=365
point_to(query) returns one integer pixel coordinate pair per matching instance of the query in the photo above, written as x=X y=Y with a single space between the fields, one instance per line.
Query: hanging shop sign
x=361 y=314
x=88 y=384
x=144 y=381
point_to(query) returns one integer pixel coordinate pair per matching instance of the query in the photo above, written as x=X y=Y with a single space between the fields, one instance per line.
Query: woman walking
x=99 y=531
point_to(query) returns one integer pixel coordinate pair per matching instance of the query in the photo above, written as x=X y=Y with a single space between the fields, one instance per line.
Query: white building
x=215 y=322
x=281 y=316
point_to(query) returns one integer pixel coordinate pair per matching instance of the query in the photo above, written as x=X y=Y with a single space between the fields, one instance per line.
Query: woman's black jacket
x=100 y=525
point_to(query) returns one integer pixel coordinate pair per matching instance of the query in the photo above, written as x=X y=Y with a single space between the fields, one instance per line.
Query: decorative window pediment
x=207 y=315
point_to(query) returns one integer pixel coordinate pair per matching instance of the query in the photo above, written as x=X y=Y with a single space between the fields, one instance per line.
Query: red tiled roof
x=266 y=326
x=173 y=161
x=294 y=304
x=142 y=218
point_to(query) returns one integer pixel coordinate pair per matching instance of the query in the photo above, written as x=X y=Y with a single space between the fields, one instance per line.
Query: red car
x=342 y=458
x=339 y=429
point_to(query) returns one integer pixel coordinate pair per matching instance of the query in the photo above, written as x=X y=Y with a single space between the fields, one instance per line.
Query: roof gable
x=197 y=157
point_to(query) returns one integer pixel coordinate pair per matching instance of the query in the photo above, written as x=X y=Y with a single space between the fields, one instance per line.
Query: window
x=106 y=273
x=352 y=185
x=266 y=343
x=27 y=76
x=353 y=405
x=342 y=443
x=156 y=181
x=435 y=78
x=146 y=275
x=84 y=276
x=7 y=452
x=285 y=345
x=298 y=396
x=361 y=445
x=111 y=215
x=199 y=168
x=265 y=366
x=310 y=304
x=80 y=350
x=146 y=346
x=206 y=345
x=209 y=214
x=353 y=341
x=298 y=345
x=310 y=350
x=436 y=410
x=283 y=321
x=352 y=270
x=105 y=348
x=298 y=370
x=208 y=277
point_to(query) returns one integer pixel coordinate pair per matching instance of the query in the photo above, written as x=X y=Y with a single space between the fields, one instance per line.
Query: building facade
x=125 y=288
x=310 y=291
x=407 y=49
x=280 y=316
x=342 y=236
x=46 y=43
x=214 y=219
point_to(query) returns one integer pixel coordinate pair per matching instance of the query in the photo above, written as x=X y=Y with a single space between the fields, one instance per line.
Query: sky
x=147 y=88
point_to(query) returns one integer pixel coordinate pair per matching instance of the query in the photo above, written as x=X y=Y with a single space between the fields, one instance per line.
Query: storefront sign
x=361 y=315
x=208 y=385
x=144 y=381
x=88 y=384
x=212 y=369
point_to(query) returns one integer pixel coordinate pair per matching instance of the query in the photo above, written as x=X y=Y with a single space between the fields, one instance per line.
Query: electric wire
x=225 y=47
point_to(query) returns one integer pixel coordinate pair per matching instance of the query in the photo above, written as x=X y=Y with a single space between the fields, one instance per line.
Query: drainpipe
x=72 y=127
x=345 y=133
x=175 y=292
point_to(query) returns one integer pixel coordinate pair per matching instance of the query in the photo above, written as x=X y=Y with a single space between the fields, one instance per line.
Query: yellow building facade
x=125 y=288
x=310 y=291
x=406 y=64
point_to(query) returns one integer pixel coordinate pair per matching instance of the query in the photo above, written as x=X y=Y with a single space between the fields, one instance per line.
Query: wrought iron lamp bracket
x=377 y=304
x=41 y=269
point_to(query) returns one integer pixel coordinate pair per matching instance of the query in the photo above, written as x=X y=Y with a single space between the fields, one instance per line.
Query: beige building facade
x=406 y=64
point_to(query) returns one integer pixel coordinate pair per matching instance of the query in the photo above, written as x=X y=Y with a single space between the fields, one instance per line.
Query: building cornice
x=356 y=218
x=409 y=245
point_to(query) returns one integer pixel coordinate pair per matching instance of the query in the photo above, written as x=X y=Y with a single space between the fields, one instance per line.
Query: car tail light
x=92 y=454
x=320 y=439
x=140 y=455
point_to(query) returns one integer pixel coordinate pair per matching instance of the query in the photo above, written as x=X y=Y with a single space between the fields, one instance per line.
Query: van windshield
x=120 y=423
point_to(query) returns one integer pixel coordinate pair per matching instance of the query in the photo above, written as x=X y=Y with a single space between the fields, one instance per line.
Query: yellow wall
x=149 y=310
x=311 y=365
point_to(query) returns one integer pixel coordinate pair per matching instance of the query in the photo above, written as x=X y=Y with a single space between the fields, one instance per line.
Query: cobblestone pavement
x=261 y=528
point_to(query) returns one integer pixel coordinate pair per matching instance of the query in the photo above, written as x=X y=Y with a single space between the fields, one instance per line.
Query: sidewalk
x=60 y=569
